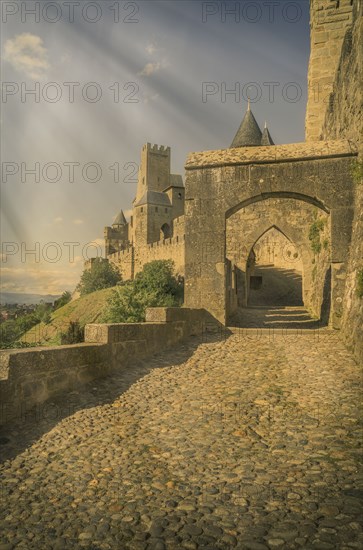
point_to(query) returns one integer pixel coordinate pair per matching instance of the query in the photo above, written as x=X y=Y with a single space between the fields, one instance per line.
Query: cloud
x=42 y=279
x=150 y=97
x=58 y=219
x=151 y=68
x=66 y=58
x=26 y=53
x=151 y=48
x=78 y=222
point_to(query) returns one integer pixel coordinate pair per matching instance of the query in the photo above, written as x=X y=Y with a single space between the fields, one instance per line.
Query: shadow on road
x=32 y=423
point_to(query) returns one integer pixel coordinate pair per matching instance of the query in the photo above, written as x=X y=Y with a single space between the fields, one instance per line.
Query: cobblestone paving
x=248 y=442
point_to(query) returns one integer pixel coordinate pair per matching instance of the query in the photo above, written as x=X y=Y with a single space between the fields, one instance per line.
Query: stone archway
x=221 y=183
x=293 y=219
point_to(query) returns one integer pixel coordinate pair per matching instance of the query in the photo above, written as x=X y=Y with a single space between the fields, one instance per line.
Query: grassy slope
x=87 y=309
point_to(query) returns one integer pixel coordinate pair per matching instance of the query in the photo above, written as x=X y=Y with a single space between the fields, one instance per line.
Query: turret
x=249 y=133
x=117 y=236
x=266 y=137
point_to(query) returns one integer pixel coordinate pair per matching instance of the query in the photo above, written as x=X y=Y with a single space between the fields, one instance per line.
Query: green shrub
x=13 y=329
x=357 y=171
x=73 y=335
x=155 y=286
x=63 y=300
x=102 y=274
x=42 y=312
x=314 y=235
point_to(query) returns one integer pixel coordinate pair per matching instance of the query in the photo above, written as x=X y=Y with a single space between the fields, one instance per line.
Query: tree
x=102 y=274
x=42 y=312
x=155 y=286
x=9 y=332
x=63 y=300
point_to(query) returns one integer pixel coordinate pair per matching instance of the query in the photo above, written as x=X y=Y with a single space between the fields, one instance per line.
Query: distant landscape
x=17 y=298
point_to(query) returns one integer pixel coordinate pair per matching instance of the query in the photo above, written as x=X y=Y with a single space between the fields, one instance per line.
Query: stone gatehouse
x=286 y=187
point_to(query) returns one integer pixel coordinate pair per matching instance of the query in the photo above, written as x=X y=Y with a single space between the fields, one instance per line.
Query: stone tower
x=329 y=21
x=154 y=172
x=117 y=236
x=156 y=205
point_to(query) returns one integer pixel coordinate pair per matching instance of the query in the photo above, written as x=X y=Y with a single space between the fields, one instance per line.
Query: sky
x=86 y=84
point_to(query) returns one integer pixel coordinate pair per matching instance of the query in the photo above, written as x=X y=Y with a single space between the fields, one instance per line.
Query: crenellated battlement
x=172 y=241
x=158 y=149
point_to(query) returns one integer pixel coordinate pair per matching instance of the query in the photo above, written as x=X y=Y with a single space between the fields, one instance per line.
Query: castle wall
x=168 y=249
x=318 y=173
x=30 y=377
x=344 y=114
x=131 y=261
x=124 y=261
x=329 y=21
x=157 y=217
x=344 y=117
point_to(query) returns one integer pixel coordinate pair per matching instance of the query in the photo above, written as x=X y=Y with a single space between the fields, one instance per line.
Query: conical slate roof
x=120 y=219
x=266 y=137
x=249 y=133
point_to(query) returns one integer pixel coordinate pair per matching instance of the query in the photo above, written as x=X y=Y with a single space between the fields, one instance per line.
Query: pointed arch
x=272 y=226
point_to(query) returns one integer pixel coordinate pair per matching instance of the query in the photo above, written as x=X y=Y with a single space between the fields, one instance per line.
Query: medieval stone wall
x=124 y=262
x=166 y=249
x=29 y=377
x=344 y=114
x=221 y=183
x=344 y=118
x=329 y=21
x=129 y=262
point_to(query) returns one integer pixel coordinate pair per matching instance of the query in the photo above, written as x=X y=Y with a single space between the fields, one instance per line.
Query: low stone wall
x=28 y=377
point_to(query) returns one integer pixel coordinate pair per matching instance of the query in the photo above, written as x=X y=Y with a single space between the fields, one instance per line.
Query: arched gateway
x=234 y=196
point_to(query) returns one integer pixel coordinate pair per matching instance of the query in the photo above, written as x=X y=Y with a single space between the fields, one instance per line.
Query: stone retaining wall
x=29 y=377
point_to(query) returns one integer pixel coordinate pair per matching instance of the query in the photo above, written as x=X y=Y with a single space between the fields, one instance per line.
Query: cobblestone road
x=251 y=442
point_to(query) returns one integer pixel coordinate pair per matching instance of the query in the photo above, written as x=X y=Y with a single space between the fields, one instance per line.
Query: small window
x=142 y=209
x=156 y=209
x=143 y=181
x=179 y=195
x=166 y=210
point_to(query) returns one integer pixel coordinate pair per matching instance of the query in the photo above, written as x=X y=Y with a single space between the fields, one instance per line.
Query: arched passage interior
x=277 y=254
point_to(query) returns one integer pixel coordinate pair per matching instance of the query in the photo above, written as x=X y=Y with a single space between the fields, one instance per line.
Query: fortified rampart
x=344 y=118
x=130 y=261
x=329 y=22
x=30 y=377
